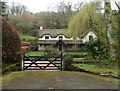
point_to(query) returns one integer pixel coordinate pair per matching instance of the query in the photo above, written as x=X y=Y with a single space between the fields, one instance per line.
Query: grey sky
x=42 y=5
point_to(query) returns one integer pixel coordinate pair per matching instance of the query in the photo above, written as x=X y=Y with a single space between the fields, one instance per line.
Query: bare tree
x=78 y=6
x=17 y=8
x=118 y=5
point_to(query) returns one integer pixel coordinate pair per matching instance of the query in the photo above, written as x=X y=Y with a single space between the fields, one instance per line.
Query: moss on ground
x=53 y=77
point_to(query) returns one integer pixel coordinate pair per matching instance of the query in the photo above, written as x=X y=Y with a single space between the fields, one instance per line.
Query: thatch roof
x=53 y=32
x=56 y=32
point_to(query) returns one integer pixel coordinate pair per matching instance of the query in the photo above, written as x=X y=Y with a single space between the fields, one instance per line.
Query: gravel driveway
x=56 y=80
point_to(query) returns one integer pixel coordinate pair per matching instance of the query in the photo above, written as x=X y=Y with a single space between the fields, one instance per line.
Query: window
x=46 y=37
x=60 y=37
x=90 y=38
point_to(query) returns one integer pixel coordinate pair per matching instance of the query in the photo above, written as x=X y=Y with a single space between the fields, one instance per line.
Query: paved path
x=55 y=80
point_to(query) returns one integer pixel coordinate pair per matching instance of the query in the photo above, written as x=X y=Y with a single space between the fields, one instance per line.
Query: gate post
x=22 y=65
x=61 y=60
x=23 y=62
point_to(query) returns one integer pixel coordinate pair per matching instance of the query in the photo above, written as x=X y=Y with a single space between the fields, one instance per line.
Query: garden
x=100 y=57
x=83 y=62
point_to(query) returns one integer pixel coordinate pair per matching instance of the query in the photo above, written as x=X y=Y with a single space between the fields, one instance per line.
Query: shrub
x=34 y=47
x=98 y=49
x=51 y=51
x=33 y=32
x=67 y=63
x=11 y=44
x=12 y=67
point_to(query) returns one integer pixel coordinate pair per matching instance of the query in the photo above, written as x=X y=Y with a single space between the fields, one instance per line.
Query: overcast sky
x=42 y=5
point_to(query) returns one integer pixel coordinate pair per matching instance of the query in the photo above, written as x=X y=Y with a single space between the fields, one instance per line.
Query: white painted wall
x=57 y=38
x=85 y=39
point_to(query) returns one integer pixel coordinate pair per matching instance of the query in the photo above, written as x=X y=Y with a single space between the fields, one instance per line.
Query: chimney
x=41 y=27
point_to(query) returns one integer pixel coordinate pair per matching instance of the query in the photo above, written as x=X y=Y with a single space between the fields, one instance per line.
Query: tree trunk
x=118 y=32
x=108 y=14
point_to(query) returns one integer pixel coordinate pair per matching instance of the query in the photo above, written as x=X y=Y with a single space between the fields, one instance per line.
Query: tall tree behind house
x=108 y=13
x=118 y=31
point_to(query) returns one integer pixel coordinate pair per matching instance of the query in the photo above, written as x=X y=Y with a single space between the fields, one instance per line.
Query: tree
x=78 y=6
x=63 y=14
x=17 y=8
x=23 y=23
x=58 y=19
x=11 y=44
x=4 y=9
x=118 y=30
x=109 y=28
x=88 y=18
x=45 y=19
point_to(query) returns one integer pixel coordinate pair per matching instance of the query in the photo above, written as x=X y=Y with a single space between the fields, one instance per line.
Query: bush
x=33 y=32
x=12 y=67
x=51 y=51
x=11 y=44
x=67 y=63
x=34 y=47
x=98 y=49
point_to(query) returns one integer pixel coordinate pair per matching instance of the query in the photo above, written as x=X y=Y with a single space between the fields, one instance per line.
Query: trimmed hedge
x=77 y=54
x=11 y=43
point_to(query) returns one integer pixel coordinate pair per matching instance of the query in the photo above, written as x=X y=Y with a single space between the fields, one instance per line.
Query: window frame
x=90 y=38
x=60 y=37
x=47 y=37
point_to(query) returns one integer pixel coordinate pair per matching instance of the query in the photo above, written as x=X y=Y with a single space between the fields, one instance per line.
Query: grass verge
x=100 y=70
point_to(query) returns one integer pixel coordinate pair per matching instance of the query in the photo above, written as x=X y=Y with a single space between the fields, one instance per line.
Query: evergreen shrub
x=11 y=43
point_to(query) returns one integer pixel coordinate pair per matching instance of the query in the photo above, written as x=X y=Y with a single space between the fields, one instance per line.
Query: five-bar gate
x=42 y=62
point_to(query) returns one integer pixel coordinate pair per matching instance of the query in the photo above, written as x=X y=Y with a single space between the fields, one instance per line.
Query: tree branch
x=117 y=6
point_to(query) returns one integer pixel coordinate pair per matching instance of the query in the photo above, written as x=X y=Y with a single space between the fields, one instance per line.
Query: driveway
x=56 y=80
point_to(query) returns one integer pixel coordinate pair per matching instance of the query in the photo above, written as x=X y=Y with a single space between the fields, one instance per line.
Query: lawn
x=38 y=53
x=34 y=53
x=78 y=54
x=27 y=37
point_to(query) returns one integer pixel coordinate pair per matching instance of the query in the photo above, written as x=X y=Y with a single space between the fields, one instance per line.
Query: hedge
x=67 y=62
x=12 y=67
x=11 y=43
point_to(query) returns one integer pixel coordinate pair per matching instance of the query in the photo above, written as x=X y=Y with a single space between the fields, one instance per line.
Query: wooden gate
x=42 y=63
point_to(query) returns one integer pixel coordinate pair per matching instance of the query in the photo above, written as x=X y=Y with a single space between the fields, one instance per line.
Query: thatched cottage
x=49 y=37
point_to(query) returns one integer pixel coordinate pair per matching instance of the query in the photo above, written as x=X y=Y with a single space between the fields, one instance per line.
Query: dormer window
x=60 y=37
x=46 y=37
